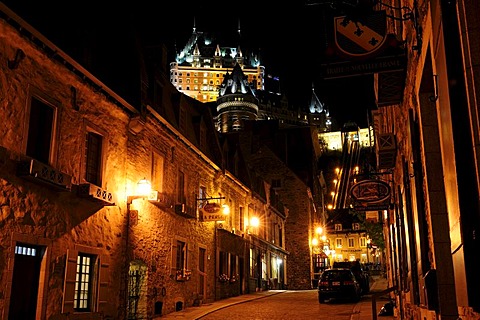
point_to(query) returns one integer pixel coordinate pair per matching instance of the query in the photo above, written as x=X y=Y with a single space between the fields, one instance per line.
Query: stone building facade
x=79 y=240
x=432 y=133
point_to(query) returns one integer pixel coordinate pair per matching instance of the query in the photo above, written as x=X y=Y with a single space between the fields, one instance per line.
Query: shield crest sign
x=361 y=37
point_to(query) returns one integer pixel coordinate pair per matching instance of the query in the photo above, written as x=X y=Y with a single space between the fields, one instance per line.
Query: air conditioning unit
x=160 y=199
x=96 y=193
x=39 y=172
x=386 y=150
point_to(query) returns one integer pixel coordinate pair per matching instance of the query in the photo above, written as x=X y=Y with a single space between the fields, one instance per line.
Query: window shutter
x=103 y=283
x=69 y=281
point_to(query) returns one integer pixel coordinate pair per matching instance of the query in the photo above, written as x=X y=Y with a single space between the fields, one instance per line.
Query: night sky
x=290 y=35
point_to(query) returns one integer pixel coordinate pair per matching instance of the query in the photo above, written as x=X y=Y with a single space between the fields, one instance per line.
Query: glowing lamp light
x=315 y=242
x=225 y=209
x=319 y=230
x=254 y=222
x=144 y=188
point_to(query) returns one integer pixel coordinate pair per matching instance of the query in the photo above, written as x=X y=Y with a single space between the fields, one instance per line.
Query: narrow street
x=287 y=304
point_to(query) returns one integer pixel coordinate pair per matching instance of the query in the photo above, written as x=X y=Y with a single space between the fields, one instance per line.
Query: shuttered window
x=86 y=282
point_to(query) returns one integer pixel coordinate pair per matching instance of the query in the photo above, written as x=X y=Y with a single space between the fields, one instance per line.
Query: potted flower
x=223 y=278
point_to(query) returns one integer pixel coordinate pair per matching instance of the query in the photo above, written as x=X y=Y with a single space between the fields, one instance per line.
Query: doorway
x=25 y=281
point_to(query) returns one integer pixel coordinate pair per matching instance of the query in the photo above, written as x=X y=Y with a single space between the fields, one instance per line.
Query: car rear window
x=337 y=275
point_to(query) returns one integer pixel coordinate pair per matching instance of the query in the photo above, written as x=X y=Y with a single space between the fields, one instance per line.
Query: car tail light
x=348 y=283
x=323 y=283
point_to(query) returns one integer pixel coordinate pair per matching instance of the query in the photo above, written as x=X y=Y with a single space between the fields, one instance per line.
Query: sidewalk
x=361 y=311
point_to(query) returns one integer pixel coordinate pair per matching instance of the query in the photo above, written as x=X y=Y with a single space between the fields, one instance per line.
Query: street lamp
x=144 y=188
x=142 y=191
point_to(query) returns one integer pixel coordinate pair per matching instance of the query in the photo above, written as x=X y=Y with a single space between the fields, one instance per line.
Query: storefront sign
x=360 y=38
x=356 y=68
x=370 y=191
x=212 y=212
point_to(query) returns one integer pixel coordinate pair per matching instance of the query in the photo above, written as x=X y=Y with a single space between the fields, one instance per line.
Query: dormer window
x=338 y=227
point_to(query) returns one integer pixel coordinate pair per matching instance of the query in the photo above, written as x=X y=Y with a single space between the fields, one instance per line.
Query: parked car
x=338 y=283
x=363 y=277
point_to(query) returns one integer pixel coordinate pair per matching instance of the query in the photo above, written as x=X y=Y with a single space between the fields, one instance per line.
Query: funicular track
x=349 y=163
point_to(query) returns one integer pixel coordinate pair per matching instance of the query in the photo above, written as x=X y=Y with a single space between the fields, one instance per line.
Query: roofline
x=56 y=53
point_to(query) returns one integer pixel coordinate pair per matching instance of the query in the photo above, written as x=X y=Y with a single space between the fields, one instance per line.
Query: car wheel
x=321 y=299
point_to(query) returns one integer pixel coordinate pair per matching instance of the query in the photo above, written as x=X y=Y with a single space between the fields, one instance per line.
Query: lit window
x=351 y=242
x=83 y=282
x=338 y=242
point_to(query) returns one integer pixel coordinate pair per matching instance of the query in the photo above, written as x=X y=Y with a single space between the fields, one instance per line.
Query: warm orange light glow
x=254 y=222
x=144 y=187
x=225 y=209
x=319 y=230
x=314 y=242
x=329 y=207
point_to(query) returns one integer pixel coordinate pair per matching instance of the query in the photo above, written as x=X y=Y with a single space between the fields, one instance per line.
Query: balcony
x=96 y=194
x=39 y=172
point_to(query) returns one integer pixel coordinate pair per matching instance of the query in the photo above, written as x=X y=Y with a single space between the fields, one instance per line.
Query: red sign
x=211 y=207
x=212 y=212
x=370 y=191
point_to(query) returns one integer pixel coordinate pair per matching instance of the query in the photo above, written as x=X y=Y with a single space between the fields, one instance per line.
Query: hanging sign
x=212 y=212
x=361 y=37
x=370 y=195
x=372 y=191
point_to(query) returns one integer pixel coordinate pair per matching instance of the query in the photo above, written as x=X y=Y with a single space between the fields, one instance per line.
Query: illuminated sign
x=212 y=212
x=370 y=191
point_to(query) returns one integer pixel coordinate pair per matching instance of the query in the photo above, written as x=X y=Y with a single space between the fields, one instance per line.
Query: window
x=83 y=274
x=180 y=260
x=338 y=227
x=83 y=283
x=252 y=263
x=338 y=242
x=351 y=242
x=356 y=226
x=242 y=218
x=202 y=194
x=93 y=158
x=41 y=130
x=181 y=198
x=157 y=171
x=363 y=242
